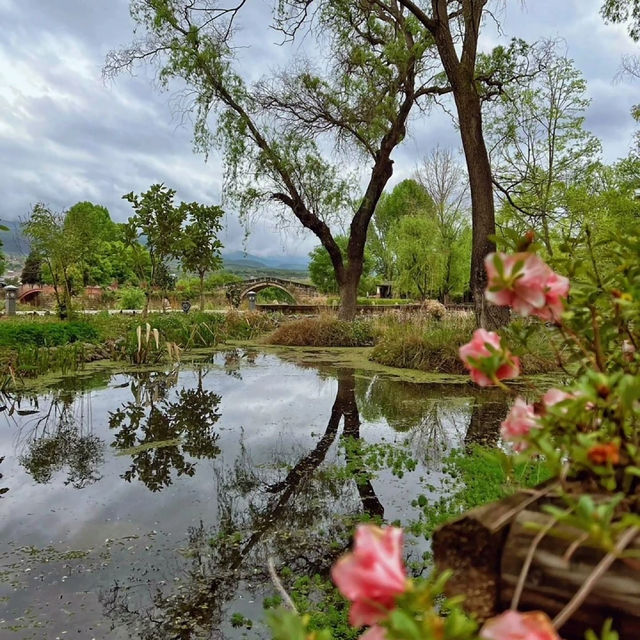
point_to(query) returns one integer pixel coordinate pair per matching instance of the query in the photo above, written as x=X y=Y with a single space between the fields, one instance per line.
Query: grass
x=325 y=330
x=422 y=343
x=472 y=478
x=43 y=332
x=427 y=344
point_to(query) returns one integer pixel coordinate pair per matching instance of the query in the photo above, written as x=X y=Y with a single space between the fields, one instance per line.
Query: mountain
x=239 y=259
x=13 y=242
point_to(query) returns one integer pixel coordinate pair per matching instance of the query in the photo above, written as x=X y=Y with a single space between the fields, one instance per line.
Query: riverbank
x=422 y=347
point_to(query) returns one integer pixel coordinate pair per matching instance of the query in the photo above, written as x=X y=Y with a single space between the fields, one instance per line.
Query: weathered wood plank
x=552 y=581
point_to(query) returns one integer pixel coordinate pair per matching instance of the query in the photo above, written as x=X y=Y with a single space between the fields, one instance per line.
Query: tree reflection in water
x=157 y=433
x=295 y=519
x=63 y=438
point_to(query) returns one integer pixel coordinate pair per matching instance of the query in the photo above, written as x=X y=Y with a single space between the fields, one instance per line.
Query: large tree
x=289 y=140
x=455 y=26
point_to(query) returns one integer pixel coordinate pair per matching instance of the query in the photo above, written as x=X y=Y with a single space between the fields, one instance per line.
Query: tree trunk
x=349 y=290
x=201 y=291
x=482 y=206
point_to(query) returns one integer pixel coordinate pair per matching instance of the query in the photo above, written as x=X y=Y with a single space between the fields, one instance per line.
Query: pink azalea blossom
x=372 y=575
x=518 y=423
x=477 y=348
x=628 y=349
x=527 y=285
x=374 y=633
x=553 y=396
x=512 y=625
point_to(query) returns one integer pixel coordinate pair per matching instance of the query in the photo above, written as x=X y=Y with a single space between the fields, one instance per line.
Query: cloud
x=67 y=136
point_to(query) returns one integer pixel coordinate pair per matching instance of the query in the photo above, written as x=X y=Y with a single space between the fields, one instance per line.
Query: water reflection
x=62 y=438
x=292 y=519
x=186 y=543
x=157 y=433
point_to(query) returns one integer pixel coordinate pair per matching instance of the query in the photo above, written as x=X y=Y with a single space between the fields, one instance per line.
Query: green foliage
x=472 y=478
x=424 y=344
x=50 y=333
x=541 y=147
x=131 y=298
x=322 y=272
x=32 y=270
x=324 y=331
x=199 y=245
x=420 y=263
x=271 y=294
x=624 y=12
x=45 y=229
x=159 y=222
x=408 y=198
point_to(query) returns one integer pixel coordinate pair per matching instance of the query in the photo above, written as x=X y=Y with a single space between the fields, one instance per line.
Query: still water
x=146 y=506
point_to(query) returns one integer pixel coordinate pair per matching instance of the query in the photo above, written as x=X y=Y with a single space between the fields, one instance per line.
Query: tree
x=159 y=222
x=200 y=247
x=45 y=229
x=87 y=226
x=539 y=146
x=407 y=198
x=323 y=274
x=446 y=183
x=378 y=67
x=623 y=12
x=420 y=263
x=455 y=26
x=32 y=270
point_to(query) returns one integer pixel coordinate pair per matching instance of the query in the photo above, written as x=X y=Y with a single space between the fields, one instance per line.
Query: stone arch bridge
x=236 y=291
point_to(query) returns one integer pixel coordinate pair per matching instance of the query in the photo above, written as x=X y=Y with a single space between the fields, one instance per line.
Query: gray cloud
x=67 y=136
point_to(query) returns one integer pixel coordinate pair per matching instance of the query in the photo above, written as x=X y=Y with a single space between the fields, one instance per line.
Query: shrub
x=45 y=333
x=131 y=298
x=324 y=331
x=423 y=343
x=248 y=325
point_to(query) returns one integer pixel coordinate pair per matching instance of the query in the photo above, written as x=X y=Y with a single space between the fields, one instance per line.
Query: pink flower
x=511 y=625
x=479 y=349
x=553 y=396
x=373 y=575
x=374 y=633
x=526 y=283
x=518 y=423
x=628 y=349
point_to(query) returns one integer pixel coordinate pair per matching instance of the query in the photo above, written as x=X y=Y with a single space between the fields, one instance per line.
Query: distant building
x=384 y=290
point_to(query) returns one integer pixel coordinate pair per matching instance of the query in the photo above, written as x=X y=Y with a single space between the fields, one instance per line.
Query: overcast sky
x=66 y=136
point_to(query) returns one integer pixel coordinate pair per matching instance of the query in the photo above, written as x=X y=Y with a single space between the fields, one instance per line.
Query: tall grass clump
x=325 y=330
x=422 y=342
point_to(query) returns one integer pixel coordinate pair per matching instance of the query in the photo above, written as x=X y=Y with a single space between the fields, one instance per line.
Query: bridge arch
x=29 y=295
x=257 y=287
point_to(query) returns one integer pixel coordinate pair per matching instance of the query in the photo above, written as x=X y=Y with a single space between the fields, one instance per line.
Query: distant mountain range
x=15 y=244
x=239 y=259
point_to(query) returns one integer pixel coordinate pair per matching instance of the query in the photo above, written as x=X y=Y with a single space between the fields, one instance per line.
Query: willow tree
x=309 y=141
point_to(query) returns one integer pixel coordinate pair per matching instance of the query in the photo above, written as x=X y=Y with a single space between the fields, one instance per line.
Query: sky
x=66 y=135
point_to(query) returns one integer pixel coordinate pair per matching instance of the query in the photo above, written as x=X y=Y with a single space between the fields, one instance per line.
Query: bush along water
x=586 y=435
x=326 y=330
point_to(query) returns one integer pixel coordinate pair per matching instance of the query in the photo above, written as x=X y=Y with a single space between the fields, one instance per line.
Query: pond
x=147 y=505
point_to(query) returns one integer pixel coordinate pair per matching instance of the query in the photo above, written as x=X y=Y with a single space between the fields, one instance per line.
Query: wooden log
x=552 y=581
x=471 y=547
x=486 y=548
